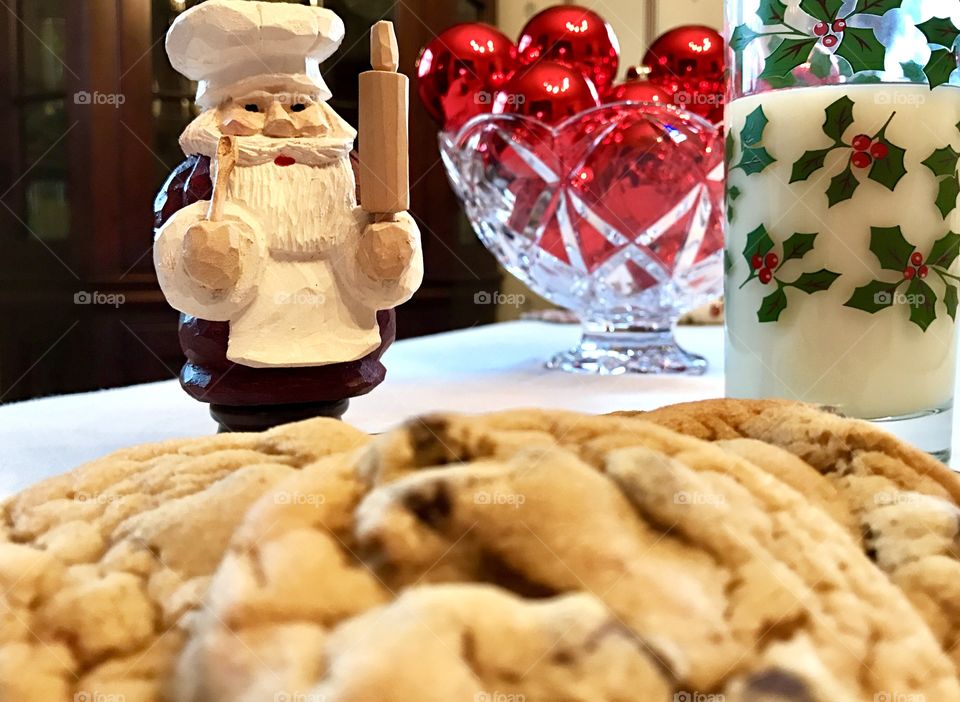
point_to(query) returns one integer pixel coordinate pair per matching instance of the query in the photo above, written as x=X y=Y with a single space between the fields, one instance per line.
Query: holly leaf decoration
x=731 y=146
x=839 y=118
x=798 y=246
x=808 y=164
x=773 y=305
x=943 y=162
x=741 y=37
x=821 y=64
x=862 y=49
x=815 y=282
x=950 y=300
x=755 y=159
x=889 y=171
x=876 y=7
x=786 y=57
x=890 y=248
x=758 y=243
x=942 y=63
x=947 y=195
x=940 y=31
x=824 y=10
x=913 y=72
x=843 y=187
x=734 y=193
x=923 y=303
x=772 y=11
x=945 y=251
x=752 y=132
x=727 y=262
x=874 y=296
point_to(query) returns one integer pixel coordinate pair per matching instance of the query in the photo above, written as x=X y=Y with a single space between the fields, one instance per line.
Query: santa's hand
x=211 y=257
x=386 y=250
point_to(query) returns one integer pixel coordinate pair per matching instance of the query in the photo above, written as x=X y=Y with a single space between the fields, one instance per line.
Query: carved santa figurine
x=284 y=282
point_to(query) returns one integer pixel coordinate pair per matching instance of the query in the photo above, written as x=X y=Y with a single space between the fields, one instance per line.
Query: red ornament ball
x=460 y=70
x=689 y=63
x=576 y=36
x=547 y=91
x=639 y=91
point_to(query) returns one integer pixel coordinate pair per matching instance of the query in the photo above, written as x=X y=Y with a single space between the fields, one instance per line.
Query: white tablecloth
x=476 y=370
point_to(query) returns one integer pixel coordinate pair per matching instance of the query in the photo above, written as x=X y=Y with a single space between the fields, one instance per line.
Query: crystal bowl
x=615 y=214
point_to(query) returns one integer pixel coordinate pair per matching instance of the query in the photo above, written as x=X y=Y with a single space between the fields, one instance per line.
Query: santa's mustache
x=203 y=135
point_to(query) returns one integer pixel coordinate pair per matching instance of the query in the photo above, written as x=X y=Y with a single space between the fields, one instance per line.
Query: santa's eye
x=299 y=107
x=251 y=108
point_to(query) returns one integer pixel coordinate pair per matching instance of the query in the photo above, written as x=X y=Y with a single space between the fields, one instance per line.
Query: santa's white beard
x=305 y=210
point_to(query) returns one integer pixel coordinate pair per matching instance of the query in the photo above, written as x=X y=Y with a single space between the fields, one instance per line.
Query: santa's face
x=277 y=115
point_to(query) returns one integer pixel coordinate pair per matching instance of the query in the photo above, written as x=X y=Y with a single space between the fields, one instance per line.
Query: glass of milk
x=843 y=225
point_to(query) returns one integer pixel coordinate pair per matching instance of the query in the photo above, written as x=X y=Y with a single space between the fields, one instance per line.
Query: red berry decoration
x=459 y=71
x=830 y=41
x=766 y=276
x=575 y=36
x=839 y=26
x=688 y=62
x=923 y=271
x=880 y=151
x=547 y=91
x=756 y=262
x=821 y=29
x=862 y=142
x=917 y=258
x=861 y=159
x=909 y=272
x=771 y=261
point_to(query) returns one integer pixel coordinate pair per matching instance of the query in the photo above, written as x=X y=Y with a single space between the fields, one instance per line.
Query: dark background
x=78 y=177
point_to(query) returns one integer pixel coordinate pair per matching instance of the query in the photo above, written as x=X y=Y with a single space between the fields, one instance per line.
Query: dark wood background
x=78 y=178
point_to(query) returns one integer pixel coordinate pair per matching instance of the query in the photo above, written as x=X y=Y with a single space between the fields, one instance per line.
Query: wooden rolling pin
x=384 y=116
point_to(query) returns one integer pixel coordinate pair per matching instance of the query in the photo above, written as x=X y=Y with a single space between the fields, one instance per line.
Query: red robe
x=209 y=377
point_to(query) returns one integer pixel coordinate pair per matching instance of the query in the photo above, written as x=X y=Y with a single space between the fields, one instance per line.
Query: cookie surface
x=904 y=502
x=98 y=566
x=553 y=556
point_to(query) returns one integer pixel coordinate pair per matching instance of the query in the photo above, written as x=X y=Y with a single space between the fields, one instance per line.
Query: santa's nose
x=278 y=122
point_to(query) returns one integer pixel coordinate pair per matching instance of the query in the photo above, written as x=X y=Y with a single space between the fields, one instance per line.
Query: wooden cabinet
x=91 y=113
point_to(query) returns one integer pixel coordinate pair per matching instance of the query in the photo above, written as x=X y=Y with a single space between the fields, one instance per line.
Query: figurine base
x=256 y=418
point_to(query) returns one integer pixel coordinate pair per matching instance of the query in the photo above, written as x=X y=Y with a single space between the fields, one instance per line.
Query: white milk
x=870 y=365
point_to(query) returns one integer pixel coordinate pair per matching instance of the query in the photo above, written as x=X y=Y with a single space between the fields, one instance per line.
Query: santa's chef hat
x=234 y=46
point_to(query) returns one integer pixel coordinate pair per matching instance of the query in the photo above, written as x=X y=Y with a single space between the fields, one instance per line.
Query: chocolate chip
x=432 y=505
x=430 y=442
x=777 y=684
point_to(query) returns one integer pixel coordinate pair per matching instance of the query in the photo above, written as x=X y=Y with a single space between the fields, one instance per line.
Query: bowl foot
x=619 y=353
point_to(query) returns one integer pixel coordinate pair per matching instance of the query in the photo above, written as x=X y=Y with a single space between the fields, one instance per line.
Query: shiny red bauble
x=460 y=71
x=547 y=91
x=576 y=36
x=688 y=62
x=639 y=91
